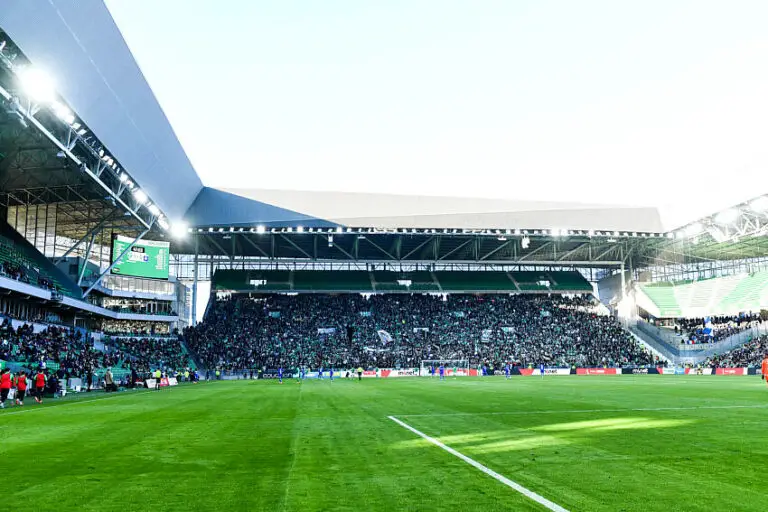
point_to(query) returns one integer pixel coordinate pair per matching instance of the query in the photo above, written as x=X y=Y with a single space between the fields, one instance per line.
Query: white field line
x=576 y=411
x=501 y=478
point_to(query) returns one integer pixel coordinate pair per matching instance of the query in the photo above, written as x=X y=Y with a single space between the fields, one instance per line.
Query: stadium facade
x=87 y=156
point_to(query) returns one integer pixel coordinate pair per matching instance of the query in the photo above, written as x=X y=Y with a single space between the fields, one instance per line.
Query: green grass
x=250 y=445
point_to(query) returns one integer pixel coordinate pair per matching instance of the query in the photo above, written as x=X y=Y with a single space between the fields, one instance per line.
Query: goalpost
x=461 y=366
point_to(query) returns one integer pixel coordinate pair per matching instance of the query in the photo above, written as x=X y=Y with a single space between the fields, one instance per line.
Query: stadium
x=171 y=345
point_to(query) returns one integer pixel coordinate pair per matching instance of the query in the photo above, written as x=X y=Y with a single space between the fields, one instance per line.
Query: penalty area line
x=472 y=462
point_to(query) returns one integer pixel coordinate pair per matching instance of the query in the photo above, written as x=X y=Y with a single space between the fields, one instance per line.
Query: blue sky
x=653 y=103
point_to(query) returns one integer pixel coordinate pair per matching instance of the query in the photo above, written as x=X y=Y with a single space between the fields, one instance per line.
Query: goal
x=461 y=366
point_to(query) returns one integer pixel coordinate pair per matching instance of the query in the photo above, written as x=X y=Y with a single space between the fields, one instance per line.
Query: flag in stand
x=384 y=336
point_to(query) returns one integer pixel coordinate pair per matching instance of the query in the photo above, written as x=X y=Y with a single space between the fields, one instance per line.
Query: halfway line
x=501 y=478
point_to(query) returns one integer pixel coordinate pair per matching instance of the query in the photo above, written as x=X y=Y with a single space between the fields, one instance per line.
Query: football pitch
x=558 y=443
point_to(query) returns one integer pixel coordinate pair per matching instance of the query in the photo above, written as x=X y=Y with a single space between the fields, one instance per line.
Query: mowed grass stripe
x=247 y=445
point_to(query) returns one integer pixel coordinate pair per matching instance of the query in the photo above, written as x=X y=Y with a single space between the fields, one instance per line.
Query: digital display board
x=145 y=259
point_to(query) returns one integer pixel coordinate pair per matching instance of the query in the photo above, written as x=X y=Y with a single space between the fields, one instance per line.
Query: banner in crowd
x=151 y=383
x=598 y=371
x=384 y=336
x=173 y=381
x=326 y=330
x=164 y=382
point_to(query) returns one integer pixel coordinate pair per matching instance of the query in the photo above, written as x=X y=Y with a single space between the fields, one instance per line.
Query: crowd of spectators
x=135 y=328
x=145 y=354
x=72 y=353
x=15 y=271
x=401 y=330
x=68 y=349
x=749 y=354
x=715 y=328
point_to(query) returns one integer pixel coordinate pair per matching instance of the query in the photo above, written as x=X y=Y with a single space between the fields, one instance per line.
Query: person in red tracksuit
x=39 y=386
x=21 y=388
x=5 y=386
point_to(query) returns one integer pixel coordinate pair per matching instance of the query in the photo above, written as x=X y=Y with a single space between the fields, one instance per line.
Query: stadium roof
x=236 y=207
x=79 y=44
x=81 y=48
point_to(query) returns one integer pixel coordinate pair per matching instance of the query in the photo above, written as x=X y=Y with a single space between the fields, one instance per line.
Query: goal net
x=453 y=367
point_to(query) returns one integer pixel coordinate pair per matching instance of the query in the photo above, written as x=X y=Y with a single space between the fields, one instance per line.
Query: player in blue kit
x=541 y=370
x=507 y=371
x=320 y=373
x=331 y=373
x=280 y=374
x=441 y=370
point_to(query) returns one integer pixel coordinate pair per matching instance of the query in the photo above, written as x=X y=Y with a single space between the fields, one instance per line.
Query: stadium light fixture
x=163 y=223
x=63 y=113
x=153 y=209
x=590 y=233
x=82 y=132
x=140 y=196
x=179 y=229
x=760 y=204
x=37 y=85
x=339 y=229
x=300 y=229
x=261 y=230
x=727 y=216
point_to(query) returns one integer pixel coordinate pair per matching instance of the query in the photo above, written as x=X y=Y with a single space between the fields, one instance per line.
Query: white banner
x=173 y=382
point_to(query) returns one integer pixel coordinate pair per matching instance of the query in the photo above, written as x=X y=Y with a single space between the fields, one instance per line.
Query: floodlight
x=76 y=126
x=179 y=229
x=163 y=223
x=525 y=242
x=517 y=231
x=260 y=229
x=339 y=229
x=590 y=233
x=140 y=196
x=300 y=229
x=82 y=132
x=63 y=113
x=37 y=84
x=153 y=209
x=727 y=216
x=760 y=204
